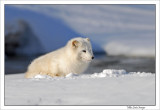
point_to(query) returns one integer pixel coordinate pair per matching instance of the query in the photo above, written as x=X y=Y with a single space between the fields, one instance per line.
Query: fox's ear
x=75 y=43
x=88 y=39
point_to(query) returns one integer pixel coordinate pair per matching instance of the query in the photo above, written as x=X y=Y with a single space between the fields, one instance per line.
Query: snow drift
x=118 y=29
x=52 y=33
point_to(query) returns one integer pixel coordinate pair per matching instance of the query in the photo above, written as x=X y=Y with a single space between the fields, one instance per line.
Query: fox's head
x=82 y=49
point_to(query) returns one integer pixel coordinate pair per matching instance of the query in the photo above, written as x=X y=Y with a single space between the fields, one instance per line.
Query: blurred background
x=122 y=36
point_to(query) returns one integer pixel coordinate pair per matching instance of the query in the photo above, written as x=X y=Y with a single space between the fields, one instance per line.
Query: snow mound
x=103 y=74
x=109 y=72
x=42 y=76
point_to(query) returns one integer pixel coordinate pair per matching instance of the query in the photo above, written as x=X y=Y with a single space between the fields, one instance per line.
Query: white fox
x=73 y=58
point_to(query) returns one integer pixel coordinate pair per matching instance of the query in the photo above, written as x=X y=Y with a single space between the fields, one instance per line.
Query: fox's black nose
x=92 y=57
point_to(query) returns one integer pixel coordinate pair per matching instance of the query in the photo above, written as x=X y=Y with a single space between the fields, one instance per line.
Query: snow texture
x=109 y=87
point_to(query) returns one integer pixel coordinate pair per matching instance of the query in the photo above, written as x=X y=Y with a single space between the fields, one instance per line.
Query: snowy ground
x=127 y=30
x=109 y=87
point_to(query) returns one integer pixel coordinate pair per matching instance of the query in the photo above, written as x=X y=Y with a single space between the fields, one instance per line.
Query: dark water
x=19 y=64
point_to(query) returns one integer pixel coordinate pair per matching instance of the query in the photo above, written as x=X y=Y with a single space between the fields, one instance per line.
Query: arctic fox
x=72 y=58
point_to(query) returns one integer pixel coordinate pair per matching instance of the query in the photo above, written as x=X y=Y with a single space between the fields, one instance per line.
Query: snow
x=109 y=87
x=118 y=29
x=42 y=76
x=110 y=73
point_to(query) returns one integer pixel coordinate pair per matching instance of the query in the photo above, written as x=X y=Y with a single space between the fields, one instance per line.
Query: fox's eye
x=84 y=51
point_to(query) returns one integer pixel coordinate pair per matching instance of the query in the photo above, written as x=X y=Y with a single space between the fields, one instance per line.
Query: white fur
x=69 y=59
